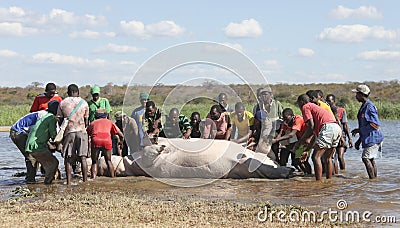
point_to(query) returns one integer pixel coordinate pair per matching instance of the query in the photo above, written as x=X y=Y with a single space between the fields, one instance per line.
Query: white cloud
x=120 y=49
x=89 y=34
x=8 y=53
x=362 y=12
x=247 y=28
x=16 y=29
x=53 y=21
x=55 y=58
x=63 y=17
x=357 y=33
x=12 y=14
x=162 y=28
x=379 y=55
x=305 y=52
x=128 y=63
x=236 y=46
x=272 y=64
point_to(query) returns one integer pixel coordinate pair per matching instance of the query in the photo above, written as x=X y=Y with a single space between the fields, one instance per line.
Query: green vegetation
x=9 y=114
x=15 y=102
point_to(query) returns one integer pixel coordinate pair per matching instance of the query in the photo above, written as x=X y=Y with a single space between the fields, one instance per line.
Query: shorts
x=373 y=151
x=75 y=144
x=329 y=135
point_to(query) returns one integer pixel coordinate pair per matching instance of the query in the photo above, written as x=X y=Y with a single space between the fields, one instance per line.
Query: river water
x=380 y=196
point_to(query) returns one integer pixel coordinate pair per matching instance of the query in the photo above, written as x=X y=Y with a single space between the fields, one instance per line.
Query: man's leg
x=318 y=152
x=375 y=168
x=68 y=168
x=369 y=167
x=328 y=161
x=340 y=152
x=107 y=156
x=84 y=167
x=48 y=162
x=95 y=158
x=31 y=165
x=284 y=156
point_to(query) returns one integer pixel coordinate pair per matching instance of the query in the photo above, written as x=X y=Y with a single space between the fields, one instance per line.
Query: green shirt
x=178 y=130
x=44 y=129
x=100 y=103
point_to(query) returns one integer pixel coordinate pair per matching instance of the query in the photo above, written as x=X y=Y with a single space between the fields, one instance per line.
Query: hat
x=265 y=90
x=95 y=89
x=100 y=113
x=118 y=115
x=52 y=106
x=144 y=96
x=364 y=89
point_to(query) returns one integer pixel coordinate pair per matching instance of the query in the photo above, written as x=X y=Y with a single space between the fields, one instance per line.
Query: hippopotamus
x=196 y=158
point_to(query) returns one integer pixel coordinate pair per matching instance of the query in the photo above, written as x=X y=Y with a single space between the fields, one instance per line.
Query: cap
x=265 y=90
x=52 y=106
x=364 y=89
x=100 y=113
x=144 y=96
x=95 y=89
x=118 y=115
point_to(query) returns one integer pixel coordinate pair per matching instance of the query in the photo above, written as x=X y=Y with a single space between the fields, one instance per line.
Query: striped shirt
x=172 y=130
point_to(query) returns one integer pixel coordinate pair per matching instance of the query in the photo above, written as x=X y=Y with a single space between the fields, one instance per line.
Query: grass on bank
x=9 y=114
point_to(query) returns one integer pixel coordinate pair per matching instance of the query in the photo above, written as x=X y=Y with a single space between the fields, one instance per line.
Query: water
x=380 y=196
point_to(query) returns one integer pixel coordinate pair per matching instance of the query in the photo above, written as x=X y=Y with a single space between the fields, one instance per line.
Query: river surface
x=380 y=196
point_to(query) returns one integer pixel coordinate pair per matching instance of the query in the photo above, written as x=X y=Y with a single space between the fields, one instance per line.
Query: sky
x=100 y=42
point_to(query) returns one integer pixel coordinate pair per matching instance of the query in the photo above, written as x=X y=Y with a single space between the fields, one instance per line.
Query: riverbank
x=139 y=201
x=5 y=128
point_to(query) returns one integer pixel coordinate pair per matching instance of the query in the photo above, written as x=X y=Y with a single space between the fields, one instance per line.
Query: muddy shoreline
x=139 y=201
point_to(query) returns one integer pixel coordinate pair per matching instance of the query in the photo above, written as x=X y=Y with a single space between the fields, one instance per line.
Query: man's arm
x=307 y=134
x=279 y=138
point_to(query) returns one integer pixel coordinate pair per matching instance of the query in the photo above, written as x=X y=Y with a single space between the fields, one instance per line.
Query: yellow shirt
x=243 y=126
x=326 y=107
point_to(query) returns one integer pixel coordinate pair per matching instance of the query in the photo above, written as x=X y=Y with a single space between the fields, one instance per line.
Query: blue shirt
x=24 y=124
x=138 y=114
x=368 y=123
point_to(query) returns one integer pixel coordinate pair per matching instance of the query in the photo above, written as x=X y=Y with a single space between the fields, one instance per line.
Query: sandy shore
x=5 y=128
x=128 y=202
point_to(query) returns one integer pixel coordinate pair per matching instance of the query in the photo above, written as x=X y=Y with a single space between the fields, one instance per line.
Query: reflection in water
x=381 y=196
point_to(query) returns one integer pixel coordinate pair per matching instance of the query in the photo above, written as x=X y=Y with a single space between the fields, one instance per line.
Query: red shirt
x=100 y=131
x=319 y=115
x=298 y=125
x=340 y=112
x=41 y=101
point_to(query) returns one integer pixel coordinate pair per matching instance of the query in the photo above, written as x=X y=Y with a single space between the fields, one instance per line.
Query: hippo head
x=150 y=153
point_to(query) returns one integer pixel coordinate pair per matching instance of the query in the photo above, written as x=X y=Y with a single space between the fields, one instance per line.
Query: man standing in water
x=368 y=127
x=36 y=143
x=325 y=128
x=75 y=142
x=342 y=117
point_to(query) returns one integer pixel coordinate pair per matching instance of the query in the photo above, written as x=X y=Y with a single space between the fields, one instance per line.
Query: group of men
x=86 y=123
x=321 y=130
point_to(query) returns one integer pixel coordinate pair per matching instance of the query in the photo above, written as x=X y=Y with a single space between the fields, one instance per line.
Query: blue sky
x=96 y=42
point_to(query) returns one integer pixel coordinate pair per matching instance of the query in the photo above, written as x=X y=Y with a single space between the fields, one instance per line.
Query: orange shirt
x=298 y=124
x=41 y=101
